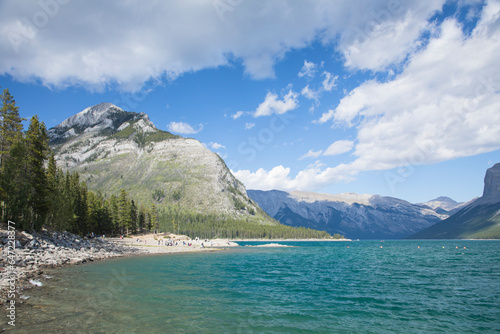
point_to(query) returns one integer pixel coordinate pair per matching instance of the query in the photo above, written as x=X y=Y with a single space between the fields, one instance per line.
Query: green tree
x=37 y=149
x=11 y=125
x=124 y=217
x=17 y=186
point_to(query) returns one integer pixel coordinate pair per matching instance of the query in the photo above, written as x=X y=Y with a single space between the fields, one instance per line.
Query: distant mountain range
x=113 y=149
x=480 y=219
x=353 y=215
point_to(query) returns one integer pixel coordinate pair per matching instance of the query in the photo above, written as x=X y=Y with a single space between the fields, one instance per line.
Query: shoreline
x=26 y=257
x=288 y=240
x=34 y=253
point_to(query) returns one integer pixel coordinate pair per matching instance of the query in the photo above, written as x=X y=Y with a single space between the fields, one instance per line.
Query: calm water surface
x=317 y=287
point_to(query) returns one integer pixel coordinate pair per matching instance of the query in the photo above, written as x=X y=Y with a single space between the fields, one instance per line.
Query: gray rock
x=491 y=192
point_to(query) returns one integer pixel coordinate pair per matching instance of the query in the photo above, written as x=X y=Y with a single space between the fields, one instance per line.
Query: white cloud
x=309 y=93
x=272 y=105
x=339 y=147
x=311 y=154
x=329 y=82
x=237 y=115
x=444 y=105
x=308 y=70
x=99 y=45
x=183 y=128
x=216 y=146
x=248 y=126
x=314 y=177
x=387 y=35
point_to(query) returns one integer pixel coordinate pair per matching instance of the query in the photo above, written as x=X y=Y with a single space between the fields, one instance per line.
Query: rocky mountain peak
x=442 y=202
x=92 y=115
x=98 y=118
x=491 y=192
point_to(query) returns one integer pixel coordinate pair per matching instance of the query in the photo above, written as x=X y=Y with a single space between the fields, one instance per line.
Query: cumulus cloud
x=215 y=146
x=330 y=81
x=387 y=35
x=237 y=115
x=124 y=44
x=339 y=147
x=273 y=105
x=309 y=93
x=308 y=70
x=183 y=128
x=443 y=105
x=314 y=177
x=311 y=154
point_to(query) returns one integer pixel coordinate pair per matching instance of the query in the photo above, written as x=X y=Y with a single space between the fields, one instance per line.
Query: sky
x=391 y=97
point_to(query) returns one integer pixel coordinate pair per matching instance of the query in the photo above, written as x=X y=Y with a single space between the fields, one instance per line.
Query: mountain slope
x=113 y=149
x=478 y=220
x=352 y=215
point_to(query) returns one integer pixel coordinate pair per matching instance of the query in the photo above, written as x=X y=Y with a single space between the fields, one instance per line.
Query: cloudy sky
x=391 y=97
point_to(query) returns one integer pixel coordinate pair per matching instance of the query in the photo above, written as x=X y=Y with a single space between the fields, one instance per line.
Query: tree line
x=209 y=226
x=35 y=193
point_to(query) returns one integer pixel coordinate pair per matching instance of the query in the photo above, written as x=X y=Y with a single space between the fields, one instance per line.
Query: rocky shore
x=22 y=267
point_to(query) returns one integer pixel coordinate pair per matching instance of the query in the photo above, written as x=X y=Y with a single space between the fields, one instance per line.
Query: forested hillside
x=35 y=193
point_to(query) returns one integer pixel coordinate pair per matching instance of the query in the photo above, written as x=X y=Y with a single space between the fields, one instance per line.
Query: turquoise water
x=317 y=287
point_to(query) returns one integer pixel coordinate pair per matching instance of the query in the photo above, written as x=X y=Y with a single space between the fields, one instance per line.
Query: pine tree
x=10 y=125
x=37 y=150
x=124 y=218
x=17 y=186
x=133 y=216
x=154 y=217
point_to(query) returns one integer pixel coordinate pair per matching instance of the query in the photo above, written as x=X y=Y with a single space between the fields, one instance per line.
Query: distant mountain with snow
x=352 y=215
x=444 y=205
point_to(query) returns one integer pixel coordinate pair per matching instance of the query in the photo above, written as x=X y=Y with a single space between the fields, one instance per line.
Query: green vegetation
x=35 y=193
x=160 y=136
x=214 y=226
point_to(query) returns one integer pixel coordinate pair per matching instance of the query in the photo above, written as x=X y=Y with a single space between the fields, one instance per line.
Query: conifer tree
x=37 y=150
x=133 y=216
x=10 y=124
x=17 y=186
x=124 y=217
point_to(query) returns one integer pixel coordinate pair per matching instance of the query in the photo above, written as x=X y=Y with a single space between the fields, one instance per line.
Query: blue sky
x=397 y=98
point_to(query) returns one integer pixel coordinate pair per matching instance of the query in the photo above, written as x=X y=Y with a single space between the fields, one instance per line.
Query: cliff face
x=114 y=149
x=491 y=192
x=478 y=220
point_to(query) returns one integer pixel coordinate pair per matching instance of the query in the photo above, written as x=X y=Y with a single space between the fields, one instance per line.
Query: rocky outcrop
x=491 y=191
x=479 y=219
x=113 y=149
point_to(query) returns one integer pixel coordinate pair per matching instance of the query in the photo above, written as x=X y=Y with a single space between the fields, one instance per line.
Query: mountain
x=480 y=219
x=443 y=205
x=113 y=149
x=352 y=215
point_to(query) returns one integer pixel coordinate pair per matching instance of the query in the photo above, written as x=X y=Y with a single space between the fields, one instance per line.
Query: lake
x=405 y=286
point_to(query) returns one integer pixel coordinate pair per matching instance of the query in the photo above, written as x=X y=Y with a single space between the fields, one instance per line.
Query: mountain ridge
x=353 y=215
x=478 y=219
x=113 y=149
